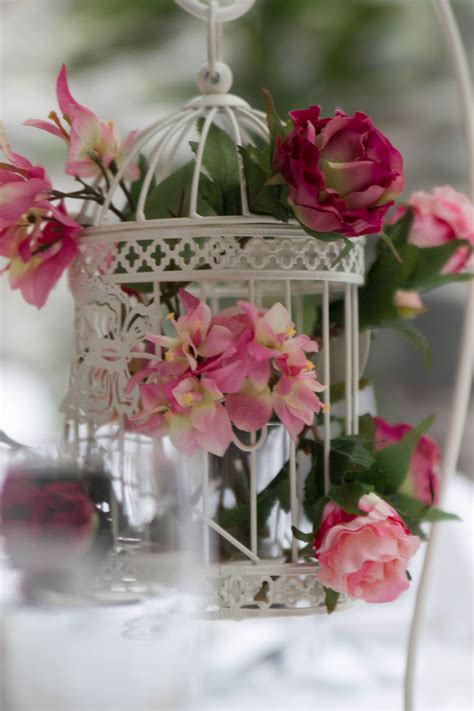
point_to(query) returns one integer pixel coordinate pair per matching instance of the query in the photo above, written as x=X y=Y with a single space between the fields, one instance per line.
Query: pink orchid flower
x=295 y=401
x=92 y=143
x=196 y=336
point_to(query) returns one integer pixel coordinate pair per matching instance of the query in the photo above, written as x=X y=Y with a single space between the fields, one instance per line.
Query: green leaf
x=302 y=536
x=414 y=336
x=338 y=390
x=428 y=267
x=367 y=428
x=408 y=507
x=350 y=452
x=220 y=160
x=373 y=477
x=343 y=253
x=170 y=198
x=136 y=187
x=394 y=461
x=391 y=246
x=318 y=509
x=330 y=600
x=263 y=198
x=347 y=496
x=276 y=126
x=434 y=514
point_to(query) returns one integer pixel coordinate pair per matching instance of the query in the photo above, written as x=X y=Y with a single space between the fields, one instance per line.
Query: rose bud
x=422 y=478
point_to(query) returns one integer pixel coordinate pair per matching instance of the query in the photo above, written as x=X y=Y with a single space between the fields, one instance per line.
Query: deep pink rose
x=366 y=556
x=440 y=217
x=422 y=479
x=45 y=523
x=342 y=173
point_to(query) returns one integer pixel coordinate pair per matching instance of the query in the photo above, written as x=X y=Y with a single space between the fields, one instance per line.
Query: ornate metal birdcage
x=221 y=259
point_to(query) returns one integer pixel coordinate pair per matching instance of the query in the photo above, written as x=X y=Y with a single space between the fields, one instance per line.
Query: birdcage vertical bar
x=355 y=359
x=253 y=463
x=348 y=357
x=205 y=507
x=292 y=455
x=327 y=382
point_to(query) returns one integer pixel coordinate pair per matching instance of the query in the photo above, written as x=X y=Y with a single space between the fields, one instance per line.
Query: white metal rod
x=293 y=500
x=292 y=456
x=198 y=164
x=253 y=496
x=255 y=445
x=157 y=314
x=205 y=507
x=135 y=148
x=355 y=359
x=327 y=383
x=238 y=142
x=348 y=356
x=228 y=536
x=462 y=387
x=187 y=122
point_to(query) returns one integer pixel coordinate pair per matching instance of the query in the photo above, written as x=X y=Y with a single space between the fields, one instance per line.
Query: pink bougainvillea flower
x=195 y=336
x=438 y=218
x=295 y=401
x=23 y=186
x=366 y=556
x=408 y=303
x=422 y=478
x=342 y=173
x=92 y=143
x=36 y=237
x=189 y=411
x=249 y=409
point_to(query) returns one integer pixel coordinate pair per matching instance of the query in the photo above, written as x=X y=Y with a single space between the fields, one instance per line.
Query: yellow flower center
x=170 y=316
x=290 y=331
x=309 y=365
x=188 y=399
x=169 y=356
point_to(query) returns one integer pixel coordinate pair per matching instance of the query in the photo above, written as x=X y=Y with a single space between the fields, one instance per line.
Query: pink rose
x=422 y=480
x=342 y=173
x=44 y=521
x=440 y=217
x=366 y=556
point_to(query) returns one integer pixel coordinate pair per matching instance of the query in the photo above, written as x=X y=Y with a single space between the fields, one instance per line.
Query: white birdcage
x=247 y=256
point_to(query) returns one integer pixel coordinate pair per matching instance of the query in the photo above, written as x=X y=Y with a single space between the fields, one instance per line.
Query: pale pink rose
x=89 y=139
x=365 y=557
x=439 y=217
x=422 y=478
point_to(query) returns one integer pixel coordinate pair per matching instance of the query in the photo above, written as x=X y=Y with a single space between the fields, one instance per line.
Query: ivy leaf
x=350 y=452
x=347 y=496
x=330 y=600
x=414 y=336
x=394 y=461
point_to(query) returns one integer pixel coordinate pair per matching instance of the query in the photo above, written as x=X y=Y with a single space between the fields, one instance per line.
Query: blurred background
x=135 y=60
